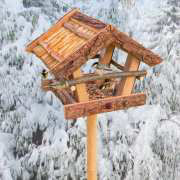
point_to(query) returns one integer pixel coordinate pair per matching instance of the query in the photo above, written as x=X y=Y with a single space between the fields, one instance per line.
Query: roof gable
x=76 y=37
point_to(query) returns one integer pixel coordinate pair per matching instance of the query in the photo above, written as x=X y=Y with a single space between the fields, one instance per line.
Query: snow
x=36 y=142
x=7 y=145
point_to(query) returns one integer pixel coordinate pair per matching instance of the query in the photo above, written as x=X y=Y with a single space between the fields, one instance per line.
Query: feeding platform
x=69 y=44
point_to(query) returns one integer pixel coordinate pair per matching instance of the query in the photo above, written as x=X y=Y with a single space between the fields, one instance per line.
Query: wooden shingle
x=76 y=37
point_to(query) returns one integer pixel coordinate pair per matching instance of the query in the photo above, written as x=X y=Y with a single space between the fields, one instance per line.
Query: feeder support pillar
x=91 y=131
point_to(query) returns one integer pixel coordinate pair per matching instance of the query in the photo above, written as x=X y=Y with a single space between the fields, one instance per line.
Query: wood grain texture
x=49 y=61
x=39 y=51
x=51 y=31
x=86 y=51
x=92 y=78
x=76 y=31
x=60 y=33
x=56 y=56
x=131 y=46
x=118 y=66
x=89 y=20
x=106 y=59
x=103 y=105
x=79 y=23
x=91 y=130
x=72 y=47
x=126 y=84
x=81 y=91
x=64 y=95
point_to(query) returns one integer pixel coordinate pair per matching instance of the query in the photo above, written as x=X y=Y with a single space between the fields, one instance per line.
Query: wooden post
x=91 y=131
x=106 y=58
x=126 y=84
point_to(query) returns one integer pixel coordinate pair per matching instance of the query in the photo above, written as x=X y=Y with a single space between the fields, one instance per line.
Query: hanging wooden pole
x=91 y=131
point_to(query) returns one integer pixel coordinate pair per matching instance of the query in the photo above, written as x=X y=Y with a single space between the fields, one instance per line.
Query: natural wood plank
x=60 y=40
x=65 y=54
x=91 y=29
x=82 y=94
x=55 y=36
x=39 y=51
x=66 y=41
x=118 y=66
x=93 y=77
x=91 y=147
x=113 y=62
x=51 y=31
x=103 y=105
x=66 y=45
x=106 y=59
x=84 y=52
x=107 y=56
x=62 y=94
x=52 y=53
x=91 y=131
x=52 y=67
x=48 y=59
x=126 y=84
x=76 y=31
x=72 y=48
x=82 y=28
x=69 y=98
x=89 y=20
x=74 y=41
x=131 y=46
x=57 y=56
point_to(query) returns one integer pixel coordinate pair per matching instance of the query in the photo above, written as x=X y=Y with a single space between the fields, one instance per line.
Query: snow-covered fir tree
x=36 y=143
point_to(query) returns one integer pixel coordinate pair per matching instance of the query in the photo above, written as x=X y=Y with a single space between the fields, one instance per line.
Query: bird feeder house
x=69 y=44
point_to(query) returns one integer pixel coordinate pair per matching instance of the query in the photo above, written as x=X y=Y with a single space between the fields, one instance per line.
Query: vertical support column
x=126 y=84
x=91 y=148
x=106 y=58
x=91 y=132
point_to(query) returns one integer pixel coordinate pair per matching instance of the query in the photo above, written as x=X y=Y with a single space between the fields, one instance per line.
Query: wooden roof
x=76 y=37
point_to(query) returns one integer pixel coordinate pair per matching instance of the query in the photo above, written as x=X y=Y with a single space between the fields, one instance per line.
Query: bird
x=44 y=74
x=101 y=69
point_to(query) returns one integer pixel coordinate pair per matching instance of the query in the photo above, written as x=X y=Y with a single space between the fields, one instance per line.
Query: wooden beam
x=91 y=131
x=90 y=28
x=82 y=94
x=69 y=98
x=73 y=29
x=87 y=78
x=63 y=84
x=124 y=42
x=105 y=59
x=89 y=20
x=61 y=94
x=52 y=30
x=103 y=105
x=118 y=66
x=113 y=62
x=121 y=67
x=50 y=51
x=126 y=84
x=107 y=56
